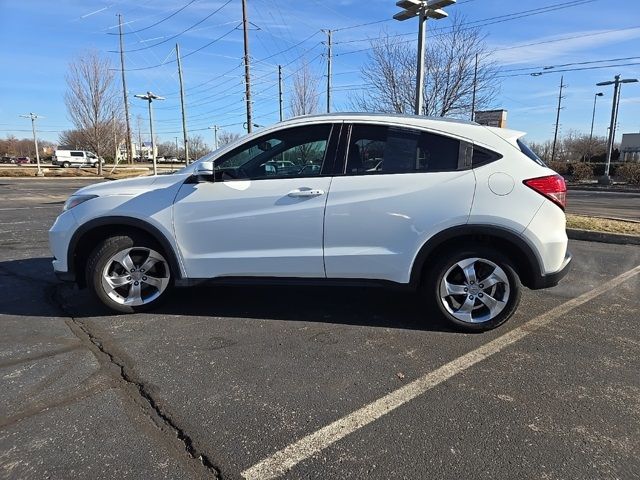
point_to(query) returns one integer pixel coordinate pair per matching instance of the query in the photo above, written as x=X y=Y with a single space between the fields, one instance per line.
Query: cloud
x=545 y=53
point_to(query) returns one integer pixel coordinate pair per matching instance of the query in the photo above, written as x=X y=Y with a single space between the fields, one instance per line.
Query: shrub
x=598 y=169
x=630 y=172
x=582 y=171
x=559 y=167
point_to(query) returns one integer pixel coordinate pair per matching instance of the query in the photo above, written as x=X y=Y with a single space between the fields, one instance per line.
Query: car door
x=398 y=188
x=254 y=219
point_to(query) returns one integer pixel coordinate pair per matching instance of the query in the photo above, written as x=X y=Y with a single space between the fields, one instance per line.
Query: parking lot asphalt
x=301 y=382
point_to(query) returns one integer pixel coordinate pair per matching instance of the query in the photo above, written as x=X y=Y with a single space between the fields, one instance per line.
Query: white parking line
x=282 y=461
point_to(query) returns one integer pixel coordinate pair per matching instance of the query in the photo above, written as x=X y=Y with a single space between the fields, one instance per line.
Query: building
x=491 y=118
x=630 y=147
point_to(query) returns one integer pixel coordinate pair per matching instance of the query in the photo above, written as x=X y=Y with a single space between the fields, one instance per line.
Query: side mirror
x=203 y=169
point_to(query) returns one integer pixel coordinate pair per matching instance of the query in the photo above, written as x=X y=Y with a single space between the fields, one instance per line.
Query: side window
x=294 y=152
x=379 y=149
x=482 y=156
x=77 y=154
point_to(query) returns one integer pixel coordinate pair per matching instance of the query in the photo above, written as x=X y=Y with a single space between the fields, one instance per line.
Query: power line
x=551 y=67
x=537 y=74
x=187 y=55
x=483 y=22
x=159 y=22
x=178 y=34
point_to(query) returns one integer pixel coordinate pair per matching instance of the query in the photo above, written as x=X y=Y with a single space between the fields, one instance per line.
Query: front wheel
x=475 y=289
x=128 y=273
x=66 y=164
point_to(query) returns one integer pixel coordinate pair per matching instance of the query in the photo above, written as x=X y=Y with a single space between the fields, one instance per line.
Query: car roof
x=457 y=127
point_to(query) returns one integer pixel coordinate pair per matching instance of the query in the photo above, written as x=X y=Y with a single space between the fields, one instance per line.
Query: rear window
x=524 y=148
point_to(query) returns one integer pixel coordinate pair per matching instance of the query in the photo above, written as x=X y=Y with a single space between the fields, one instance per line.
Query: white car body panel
x=376 y=224
x=251 y=228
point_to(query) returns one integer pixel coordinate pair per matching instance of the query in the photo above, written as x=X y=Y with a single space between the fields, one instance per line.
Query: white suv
x=461 y=213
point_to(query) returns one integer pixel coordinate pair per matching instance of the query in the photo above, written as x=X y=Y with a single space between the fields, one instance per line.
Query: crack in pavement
x=136 y=389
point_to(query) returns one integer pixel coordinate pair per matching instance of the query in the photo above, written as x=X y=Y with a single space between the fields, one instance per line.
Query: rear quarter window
x=524 y=148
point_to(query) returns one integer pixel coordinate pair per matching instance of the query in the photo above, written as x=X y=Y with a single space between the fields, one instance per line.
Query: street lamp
x=150 y=97
x=33 y=118
x=422 y=9
x=593 y=117
x=606 y=179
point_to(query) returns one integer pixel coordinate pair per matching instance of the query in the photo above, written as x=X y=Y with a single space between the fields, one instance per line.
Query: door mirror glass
x=203 y=168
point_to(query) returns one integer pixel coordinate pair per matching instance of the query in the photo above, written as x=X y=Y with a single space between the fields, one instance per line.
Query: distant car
x=7 y=160
x=22 y=160
x=75 y=158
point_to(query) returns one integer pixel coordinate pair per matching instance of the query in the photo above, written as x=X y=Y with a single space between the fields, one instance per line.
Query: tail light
x=553 y=187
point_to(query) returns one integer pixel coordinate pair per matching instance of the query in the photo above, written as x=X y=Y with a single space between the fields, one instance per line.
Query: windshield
x=524 y=148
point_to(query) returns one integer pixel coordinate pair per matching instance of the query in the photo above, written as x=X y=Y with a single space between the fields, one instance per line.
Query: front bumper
x=552 y=279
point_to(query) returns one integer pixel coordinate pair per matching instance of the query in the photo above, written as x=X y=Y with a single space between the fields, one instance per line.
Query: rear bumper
x=552 y=279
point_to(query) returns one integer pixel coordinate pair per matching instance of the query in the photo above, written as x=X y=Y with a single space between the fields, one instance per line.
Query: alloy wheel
x=475 y=290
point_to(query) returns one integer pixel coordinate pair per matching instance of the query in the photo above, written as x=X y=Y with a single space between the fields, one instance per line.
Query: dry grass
x=603 y=225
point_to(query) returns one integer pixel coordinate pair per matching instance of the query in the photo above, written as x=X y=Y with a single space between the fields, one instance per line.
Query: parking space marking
x=285 y=459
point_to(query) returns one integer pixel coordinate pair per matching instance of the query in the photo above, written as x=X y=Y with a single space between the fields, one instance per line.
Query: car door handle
x=304 y=192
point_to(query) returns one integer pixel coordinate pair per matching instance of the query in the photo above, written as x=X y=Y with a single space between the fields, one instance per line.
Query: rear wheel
x=128 y=273
x=475 y=289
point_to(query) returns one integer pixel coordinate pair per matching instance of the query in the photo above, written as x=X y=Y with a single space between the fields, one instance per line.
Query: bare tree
x=390 y=74
x=224 y=138
x=92 y=100
x=197 y=147
x=305 y=96
x=73 y=139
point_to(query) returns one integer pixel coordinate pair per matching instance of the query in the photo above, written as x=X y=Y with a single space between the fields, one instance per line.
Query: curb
x=602 y=237
x=584 y=188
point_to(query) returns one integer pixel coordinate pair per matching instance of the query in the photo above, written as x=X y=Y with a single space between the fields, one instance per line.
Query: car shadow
x=357 y=306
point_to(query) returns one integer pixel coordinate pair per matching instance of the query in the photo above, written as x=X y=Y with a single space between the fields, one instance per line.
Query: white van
x=75 y=158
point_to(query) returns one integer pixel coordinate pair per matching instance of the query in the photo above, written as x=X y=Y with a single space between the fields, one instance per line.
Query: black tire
x=451 y=305
x=103 y=253
x=66 y=164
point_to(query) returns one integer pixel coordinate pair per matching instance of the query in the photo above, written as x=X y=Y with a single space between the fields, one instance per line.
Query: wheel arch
x=507 y=242
x=85 y=239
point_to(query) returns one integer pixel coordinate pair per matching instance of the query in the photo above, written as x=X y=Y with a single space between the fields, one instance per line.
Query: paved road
x=622 y=205
x=219 y=379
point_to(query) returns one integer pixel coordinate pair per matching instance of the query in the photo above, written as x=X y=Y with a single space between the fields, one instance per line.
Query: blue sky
x=39 y=38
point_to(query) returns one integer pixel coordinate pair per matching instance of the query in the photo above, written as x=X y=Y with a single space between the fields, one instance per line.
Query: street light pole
x=606 y=179
x=423 y=9
x=33 y=118
x=593 y=118
x=150 y=97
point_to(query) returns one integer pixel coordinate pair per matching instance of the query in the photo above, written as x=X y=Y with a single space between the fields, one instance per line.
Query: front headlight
x=75 y=200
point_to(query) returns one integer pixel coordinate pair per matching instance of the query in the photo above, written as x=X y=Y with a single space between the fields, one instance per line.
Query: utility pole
x=215 y=129
x=177 y=148
x=593 y=119
x=150 y=97
x=422 y=9
x=280 y=88
x=33 y=118
x=139 y=121
x=124 y=91
x=116 y=147
x=184 y=116
x=247 y=71
x=329 y=60
x=555 y=135
x=606 y=179
x=475 y=86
